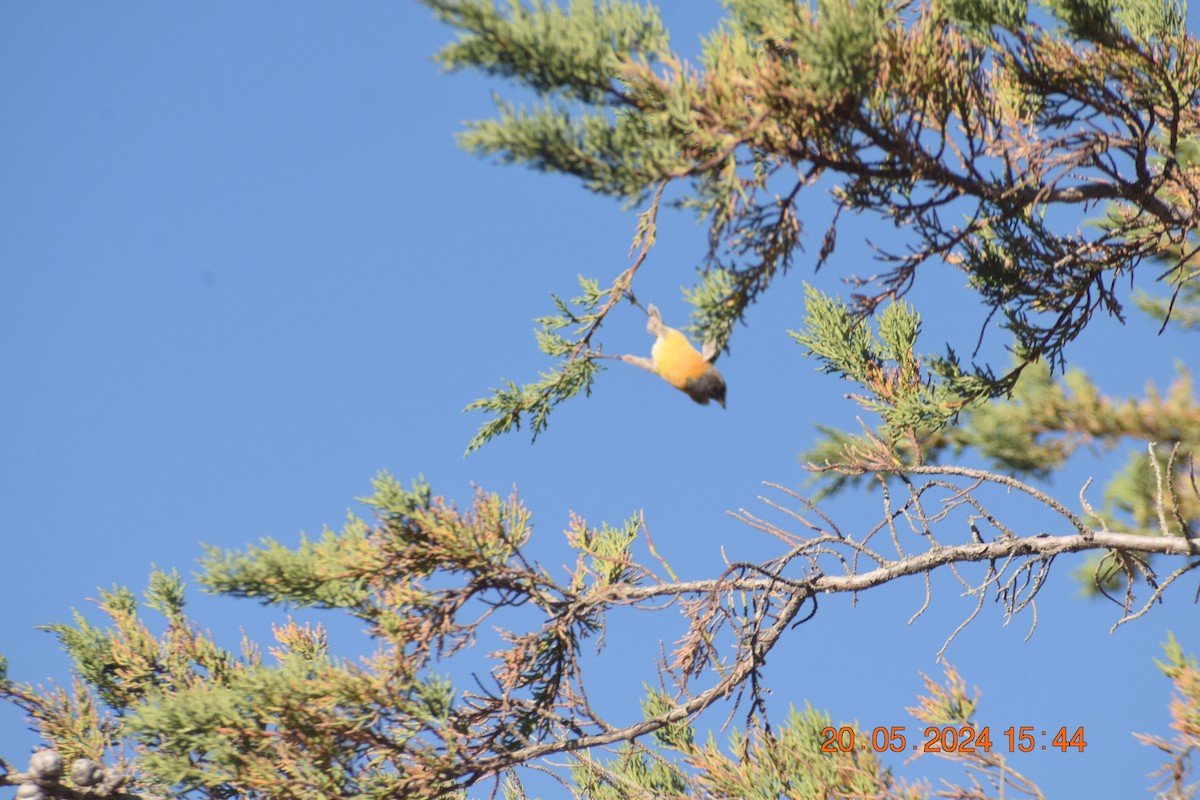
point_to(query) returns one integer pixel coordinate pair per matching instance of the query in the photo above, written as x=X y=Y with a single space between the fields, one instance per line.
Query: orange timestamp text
x=949 y=739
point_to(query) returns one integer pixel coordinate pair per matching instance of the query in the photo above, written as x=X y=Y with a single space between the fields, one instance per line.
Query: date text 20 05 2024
x=949 y=739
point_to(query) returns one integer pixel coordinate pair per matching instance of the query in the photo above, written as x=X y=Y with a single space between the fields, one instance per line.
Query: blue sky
x=245 y=267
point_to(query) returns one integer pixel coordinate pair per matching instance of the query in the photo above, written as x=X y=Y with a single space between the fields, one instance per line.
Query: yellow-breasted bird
x=676 y=361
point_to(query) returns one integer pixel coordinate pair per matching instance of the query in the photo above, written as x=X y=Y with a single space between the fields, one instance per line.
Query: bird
x=674 y=359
